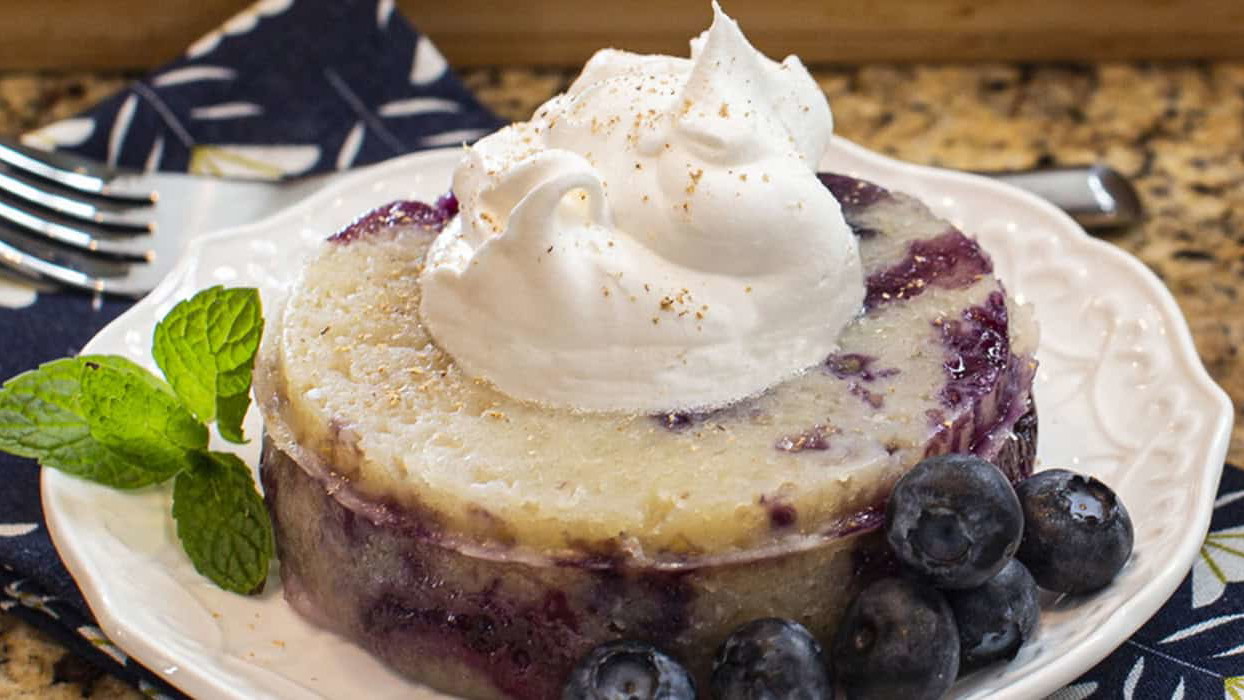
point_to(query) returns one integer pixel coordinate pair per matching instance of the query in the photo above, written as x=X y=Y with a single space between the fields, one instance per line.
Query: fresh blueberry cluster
x=974 y=551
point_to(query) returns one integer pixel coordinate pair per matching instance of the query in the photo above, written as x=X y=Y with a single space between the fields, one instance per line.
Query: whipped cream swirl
x=653 y=240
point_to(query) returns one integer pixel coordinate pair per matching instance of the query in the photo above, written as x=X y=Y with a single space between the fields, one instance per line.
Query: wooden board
x=110 y=34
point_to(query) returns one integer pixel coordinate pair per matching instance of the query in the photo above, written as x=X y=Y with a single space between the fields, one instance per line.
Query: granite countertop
x=1176 y=129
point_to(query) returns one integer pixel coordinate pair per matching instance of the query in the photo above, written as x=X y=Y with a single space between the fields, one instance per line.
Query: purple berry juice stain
x=977 y=351
x=855 y=197
x=949 y=261
x=852 y=193
x=432 y=217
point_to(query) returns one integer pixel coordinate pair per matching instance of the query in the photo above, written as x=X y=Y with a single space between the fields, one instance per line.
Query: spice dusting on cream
x=653 y=240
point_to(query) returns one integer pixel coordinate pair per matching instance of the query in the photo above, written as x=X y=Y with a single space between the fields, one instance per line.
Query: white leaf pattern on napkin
x=17 y=529
x=1200 y=627
x=455 y=137
x=1234 y=651
x=153 y=158
x=227 y=110
x=239 y=24
x=64 y=133
x=350 y=147
x=418 y=105
x=428 y=64
x=193 y=74
x=17 y=293
x=1133 y=677
x=247 y=161
x=384 y=10
x=120 y=127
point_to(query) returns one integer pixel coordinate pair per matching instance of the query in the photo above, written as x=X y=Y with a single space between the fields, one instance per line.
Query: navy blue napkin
x=293 y=87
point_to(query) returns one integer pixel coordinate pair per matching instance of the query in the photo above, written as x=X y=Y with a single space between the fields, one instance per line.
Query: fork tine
x=73 y=208
x=36 y=268
x=130 y=247
x=50 y=262
x=74 y=173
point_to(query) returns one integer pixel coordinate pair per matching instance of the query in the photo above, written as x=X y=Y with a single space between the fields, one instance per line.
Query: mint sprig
x=108 y=420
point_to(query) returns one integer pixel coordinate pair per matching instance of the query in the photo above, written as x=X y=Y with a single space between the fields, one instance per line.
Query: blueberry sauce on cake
x=400 y=213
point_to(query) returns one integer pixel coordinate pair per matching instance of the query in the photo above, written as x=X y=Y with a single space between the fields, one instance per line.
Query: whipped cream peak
x=655 y=239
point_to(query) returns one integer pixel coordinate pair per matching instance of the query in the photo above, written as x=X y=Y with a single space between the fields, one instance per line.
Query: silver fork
x=75 y=222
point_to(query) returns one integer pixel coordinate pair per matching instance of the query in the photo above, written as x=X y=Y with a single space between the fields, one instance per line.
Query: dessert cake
x=482 y=545
x=481 y=540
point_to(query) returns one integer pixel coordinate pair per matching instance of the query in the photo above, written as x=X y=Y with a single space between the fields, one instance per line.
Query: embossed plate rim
x=233 y=659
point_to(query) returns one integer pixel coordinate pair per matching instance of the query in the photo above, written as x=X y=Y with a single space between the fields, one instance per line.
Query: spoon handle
x=1096 y=196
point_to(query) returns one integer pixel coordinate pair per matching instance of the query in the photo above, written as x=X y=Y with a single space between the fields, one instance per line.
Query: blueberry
x=954 y=520
x=628 y=670
x=1078 y=534
x=995 y=619
x=897 y=640
x=771 y=659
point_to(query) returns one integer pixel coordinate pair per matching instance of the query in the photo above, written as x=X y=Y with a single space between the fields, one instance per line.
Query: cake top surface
x=352 y=383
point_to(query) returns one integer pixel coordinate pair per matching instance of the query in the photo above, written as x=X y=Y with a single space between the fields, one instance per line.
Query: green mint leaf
x=230 y=411
x=222 y=522
x=40 y=417
x=137 y=416
x=206 y=348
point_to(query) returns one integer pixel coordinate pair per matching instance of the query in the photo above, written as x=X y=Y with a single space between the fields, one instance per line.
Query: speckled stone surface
x=1176 y=129
x=33 y=666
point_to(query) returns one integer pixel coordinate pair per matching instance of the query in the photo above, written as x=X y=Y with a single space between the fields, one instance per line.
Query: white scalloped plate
x=1121 y=390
